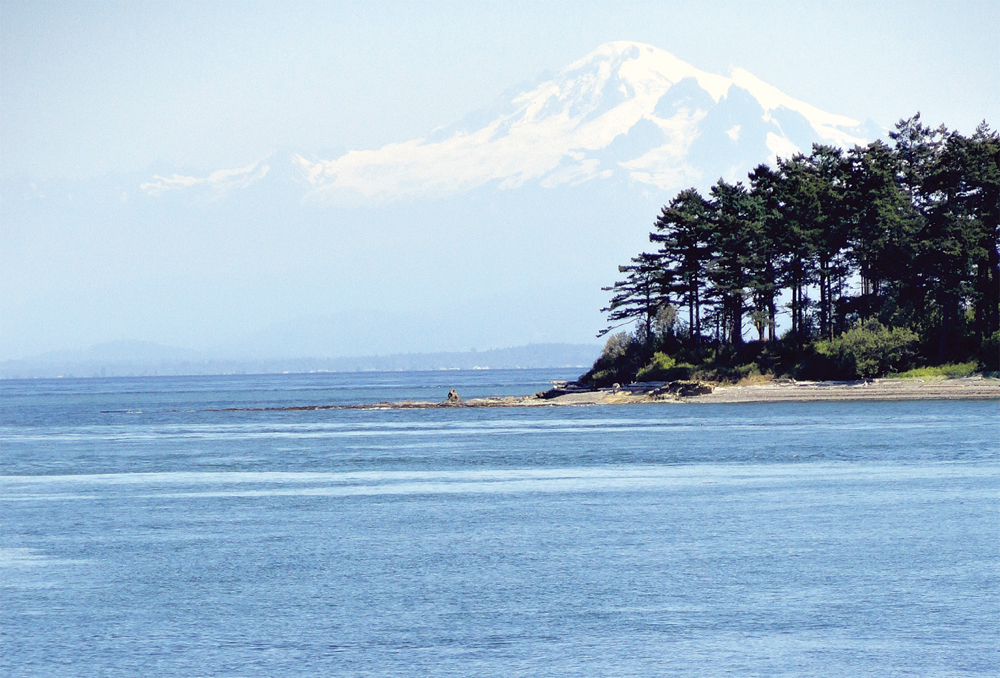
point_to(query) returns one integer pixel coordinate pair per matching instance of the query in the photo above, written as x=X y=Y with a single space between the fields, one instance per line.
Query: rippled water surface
x=144 y=532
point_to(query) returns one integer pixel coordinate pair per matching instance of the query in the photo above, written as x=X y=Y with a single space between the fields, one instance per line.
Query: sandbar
x=564 y=394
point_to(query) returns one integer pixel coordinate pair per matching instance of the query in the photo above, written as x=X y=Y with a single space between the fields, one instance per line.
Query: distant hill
x=128 y=359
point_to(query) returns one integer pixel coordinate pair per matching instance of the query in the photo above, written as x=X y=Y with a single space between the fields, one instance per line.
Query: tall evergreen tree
x=983 y=201
x=639 y=296
x=765 y=249
x=801 y=211
x=882 y=226
x=960 y=231
x=830 y=170
x=916 y=147
x=682 y=230
x=729 y=241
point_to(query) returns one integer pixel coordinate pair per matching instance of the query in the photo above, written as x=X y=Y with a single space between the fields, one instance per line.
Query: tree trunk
x=736 y=337
x=993 y=302
x=824 y=281
x=772 y=326
x=949 y=311
x=697 y=316
x=982 y=299
x=795 y=315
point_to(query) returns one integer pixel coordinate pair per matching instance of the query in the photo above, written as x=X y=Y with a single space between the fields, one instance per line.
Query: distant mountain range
x=140 y=358
x=497 y=230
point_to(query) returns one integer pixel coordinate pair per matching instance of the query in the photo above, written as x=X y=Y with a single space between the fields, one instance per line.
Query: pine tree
x=983 y=201
x=682 y=230
x=639 y=296
x=800 y=210
x=830 y=172
x=729 y=242
x=882 y=224
x=960 y=232
x=765 y=252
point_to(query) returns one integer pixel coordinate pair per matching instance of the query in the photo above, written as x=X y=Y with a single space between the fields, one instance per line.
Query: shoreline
x=570 y=395
x=960 y=388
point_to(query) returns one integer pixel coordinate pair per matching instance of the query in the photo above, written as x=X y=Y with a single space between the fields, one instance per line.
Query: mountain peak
x=649 y=66
x=628 y=110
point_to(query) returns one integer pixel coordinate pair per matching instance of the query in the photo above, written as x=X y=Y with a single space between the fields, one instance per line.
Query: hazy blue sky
x=93 y=87
x=92 y=90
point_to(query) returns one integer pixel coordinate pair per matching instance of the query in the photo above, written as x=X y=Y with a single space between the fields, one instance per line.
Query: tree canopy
x=905 y=234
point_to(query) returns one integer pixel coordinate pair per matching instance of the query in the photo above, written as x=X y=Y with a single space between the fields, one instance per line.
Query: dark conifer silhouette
x=904 y=235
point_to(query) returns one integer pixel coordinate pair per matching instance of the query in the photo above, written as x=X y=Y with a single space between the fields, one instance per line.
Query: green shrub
x=748 y=370
x=869 y=350
x=615 y=349
x=946 y=371
x=600 y=378
x=617 y=364
x=663 y=368
x=717 y=373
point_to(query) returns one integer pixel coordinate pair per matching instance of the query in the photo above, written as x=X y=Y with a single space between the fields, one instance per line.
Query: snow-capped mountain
x=498 y=230
x=219 y=184
x=626 y=109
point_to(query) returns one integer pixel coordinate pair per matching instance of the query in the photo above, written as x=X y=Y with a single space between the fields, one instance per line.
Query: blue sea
x=144 y=531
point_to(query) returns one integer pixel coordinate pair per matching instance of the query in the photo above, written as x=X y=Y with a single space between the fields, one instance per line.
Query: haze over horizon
x=230 y=178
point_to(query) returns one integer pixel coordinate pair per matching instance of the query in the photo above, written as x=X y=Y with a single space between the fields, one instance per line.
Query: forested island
x=882 y=259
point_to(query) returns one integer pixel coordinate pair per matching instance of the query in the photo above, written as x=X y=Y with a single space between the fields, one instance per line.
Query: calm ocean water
x=143 y=535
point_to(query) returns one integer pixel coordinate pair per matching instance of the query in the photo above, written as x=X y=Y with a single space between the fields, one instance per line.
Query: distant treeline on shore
x=883 y=257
